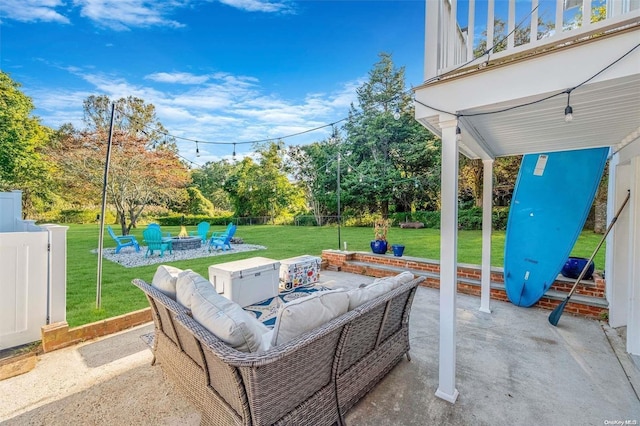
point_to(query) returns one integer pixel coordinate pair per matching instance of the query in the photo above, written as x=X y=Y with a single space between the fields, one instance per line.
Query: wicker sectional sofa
x=310 y=380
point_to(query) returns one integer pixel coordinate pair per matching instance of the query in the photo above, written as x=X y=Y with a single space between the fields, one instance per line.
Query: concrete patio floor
x=513 y=368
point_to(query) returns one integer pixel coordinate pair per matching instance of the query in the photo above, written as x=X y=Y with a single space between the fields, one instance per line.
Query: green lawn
x=119 y=296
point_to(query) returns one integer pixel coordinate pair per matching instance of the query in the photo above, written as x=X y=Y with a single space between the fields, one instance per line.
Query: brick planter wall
x=378 y=265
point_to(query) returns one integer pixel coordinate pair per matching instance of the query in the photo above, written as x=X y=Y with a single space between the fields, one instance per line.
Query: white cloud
x=225 y=108
x=121 y=15
x=33 y=10
x=258 y=5
x=177 y=78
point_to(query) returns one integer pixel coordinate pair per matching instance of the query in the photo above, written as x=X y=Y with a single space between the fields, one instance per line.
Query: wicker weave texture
x=363 y=376
x=395 y=314
x=314 y=379
x=277 y=388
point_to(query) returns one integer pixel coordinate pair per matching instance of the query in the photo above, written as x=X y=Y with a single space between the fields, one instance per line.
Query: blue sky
x=216 y=70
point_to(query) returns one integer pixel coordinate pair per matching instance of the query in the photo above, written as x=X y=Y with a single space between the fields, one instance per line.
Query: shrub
x=192 y=220
x=84 y=216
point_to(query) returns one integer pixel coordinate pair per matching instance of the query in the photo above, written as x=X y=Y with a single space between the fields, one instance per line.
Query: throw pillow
x=306 y=313
x=165 y=280
x=226 y=319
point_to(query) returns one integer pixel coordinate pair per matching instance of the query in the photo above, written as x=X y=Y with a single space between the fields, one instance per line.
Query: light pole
x=338 y=195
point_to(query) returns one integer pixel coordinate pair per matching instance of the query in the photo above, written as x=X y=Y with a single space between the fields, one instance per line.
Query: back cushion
x=306 y=313
x=221 y=316
x=361 y=295
x=186 y=284
x=165 y=280
x=378 y=287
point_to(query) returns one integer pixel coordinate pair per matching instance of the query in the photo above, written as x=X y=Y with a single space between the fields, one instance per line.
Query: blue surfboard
x=551 y=200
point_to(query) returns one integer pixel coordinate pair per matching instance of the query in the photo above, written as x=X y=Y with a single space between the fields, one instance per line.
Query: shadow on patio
x=513 y=368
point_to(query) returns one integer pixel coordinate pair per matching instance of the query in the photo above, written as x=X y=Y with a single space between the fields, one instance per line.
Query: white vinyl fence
x=32 y=274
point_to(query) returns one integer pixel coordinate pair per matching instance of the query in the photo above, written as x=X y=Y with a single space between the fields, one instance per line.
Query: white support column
x=618 y=258
x=633 y=322
x=487 y=206
x=448 y=261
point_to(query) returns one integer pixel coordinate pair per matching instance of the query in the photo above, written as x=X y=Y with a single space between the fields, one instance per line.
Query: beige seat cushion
x=304 y=314
x=221 y=316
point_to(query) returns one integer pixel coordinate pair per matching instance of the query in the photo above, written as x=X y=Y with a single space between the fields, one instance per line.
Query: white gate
x=24 y=269
x=33 y=274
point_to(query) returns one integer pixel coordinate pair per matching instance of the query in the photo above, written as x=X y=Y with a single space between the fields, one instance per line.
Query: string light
x=568 y=111
x=458 y=134
x=197 y=150
x=537 y=101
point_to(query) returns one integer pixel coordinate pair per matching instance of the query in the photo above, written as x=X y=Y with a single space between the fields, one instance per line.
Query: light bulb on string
x=197 y=150
x=568 y=111
x=396 y=114
x=458 y=134
x=360 y=179
x=234 y=151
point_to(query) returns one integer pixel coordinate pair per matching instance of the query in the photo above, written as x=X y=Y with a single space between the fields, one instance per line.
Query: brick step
x=552 y=295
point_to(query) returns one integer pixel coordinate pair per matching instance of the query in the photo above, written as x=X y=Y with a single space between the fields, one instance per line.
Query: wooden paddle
x=554 y=317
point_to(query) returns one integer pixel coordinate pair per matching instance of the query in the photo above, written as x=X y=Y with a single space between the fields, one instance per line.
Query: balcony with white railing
x=463 y=35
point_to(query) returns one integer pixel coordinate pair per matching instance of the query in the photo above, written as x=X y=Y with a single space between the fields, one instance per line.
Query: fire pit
x=186 y=243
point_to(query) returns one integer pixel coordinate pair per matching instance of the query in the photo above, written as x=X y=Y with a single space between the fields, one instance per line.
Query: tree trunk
x=600 y=219
x=123 y=223
x=600 y=205
x=384 y=207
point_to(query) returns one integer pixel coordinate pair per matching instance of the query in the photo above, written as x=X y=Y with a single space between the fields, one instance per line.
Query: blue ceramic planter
x=379 y=246
x=398 y=249
x=574 y=266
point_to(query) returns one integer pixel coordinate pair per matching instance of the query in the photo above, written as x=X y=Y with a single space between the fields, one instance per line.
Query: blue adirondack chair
x=223 y=233
x=203 y=230
x=154 y=240
x=123 y=240
x=223 y=241
x=166 y=235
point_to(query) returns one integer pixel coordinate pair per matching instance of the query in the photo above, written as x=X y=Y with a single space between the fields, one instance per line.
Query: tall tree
x=387 y=145
x=143 y=170
x=262 y=188
x=210 y=180
x=22 y=141
x=315 y=170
